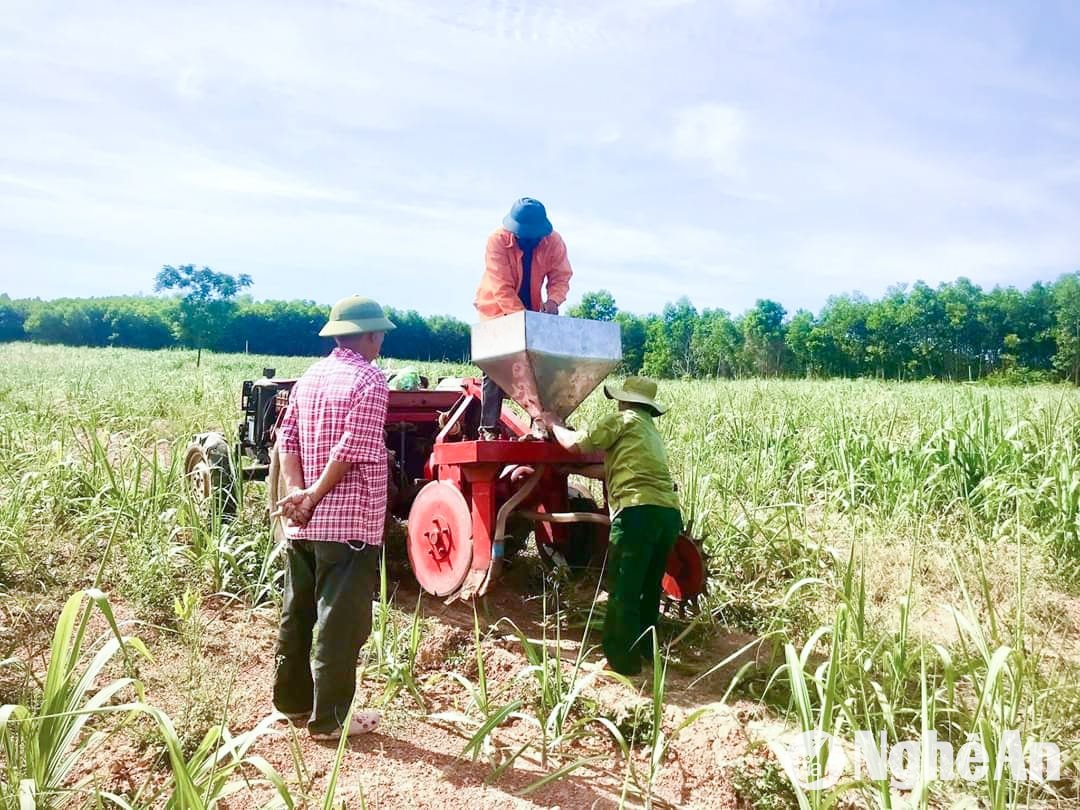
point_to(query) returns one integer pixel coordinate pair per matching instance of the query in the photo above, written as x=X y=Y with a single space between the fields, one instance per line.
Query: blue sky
x=725 y=150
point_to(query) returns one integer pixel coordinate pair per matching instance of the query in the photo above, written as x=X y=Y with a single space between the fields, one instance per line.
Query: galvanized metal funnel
x=546 y=362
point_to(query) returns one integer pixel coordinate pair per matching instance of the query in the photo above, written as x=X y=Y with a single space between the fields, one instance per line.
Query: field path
x=414 y=760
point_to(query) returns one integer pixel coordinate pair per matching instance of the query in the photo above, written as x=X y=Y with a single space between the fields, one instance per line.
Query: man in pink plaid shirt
x=333 y=458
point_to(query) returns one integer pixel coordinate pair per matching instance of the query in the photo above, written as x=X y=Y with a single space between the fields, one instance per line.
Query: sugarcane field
x=882 y=550
x=658 y=404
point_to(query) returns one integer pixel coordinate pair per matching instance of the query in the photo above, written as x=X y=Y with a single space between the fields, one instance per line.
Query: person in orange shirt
x=525 y=267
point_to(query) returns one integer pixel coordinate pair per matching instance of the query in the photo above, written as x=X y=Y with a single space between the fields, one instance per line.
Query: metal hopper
x=546 y=362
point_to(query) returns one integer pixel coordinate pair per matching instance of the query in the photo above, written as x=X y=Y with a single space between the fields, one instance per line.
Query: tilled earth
x=415 y=759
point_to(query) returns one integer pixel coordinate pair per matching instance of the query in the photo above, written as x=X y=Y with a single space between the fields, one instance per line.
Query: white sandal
x=363 y=722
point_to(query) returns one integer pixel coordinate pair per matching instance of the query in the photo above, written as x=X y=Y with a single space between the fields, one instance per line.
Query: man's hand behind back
x=297 y=507
x=551 y=308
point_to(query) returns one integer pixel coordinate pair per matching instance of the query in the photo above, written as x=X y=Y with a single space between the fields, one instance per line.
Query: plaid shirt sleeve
x=288 y=435
x=362 y=441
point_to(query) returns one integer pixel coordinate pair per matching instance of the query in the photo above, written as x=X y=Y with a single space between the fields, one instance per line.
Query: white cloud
x=645 y=267
x=390 y=135
x=712 y=133
x=215 y=176
x=756 y=8
x=870 y=262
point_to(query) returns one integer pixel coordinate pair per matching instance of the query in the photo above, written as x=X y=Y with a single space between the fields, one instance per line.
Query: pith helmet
x=356 y=315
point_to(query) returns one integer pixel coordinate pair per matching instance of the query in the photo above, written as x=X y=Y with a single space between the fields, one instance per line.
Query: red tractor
x=467 y=502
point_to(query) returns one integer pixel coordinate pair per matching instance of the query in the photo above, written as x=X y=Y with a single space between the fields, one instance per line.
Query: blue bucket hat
x=528 y=219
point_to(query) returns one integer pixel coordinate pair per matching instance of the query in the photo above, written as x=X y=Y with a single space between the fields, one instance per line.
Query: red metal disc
x=685 y=574
x=440 y=538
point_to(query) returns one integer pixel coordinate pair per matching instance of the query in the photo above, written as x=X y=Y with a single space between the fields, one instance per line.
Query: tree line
x=955 y=331
x=207 y=310
x=260 y=327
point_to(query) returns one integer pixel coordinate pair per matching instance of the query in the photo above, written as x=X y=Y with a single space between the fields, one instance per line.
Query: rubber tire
x=208 y=465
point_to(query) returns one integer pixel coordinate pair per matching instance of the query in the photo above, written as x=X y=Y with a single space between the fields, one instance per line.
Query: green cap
x=356 y=315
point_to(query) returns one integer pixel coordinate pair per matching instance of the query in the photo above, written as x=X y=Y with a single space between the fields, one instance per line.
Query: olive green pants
x=641 y=539
x=325 y=620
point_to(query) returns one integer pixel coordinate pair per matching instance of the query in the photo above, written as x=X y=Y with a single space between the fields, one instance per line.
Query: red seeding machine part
x=469 y=504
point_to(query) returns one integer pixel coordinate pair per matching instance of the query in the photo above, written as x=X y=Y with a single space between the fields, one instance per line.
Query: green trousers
x=328 y=591
x=641 y=539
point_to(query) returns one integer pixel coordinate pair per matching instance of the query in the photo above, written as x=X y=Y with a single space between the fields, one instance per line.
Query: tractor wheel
x=581 y=538
x=685 y=578
x=440 y=538
x=208 y=468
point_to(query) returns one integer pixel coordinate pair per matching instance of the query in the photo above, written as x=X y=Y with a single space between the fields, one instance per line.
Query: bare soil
x=415 y=759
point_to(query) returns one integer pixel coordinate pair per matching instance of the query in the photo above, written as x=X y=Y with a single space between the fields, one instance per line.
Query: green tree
x=845 y=333
x=716 y=344
x=966 y=332
x=66 y=321
x=803 y=341
x=138 y=323
x=633 y=331
x=596 y=306
x=276 y=327
x=12 y=318
x=412 y=337
x=679 y=320
x=658 y=361
x=1067 y=332
x=763 y=330
x=208 y=303
x=45 y=324
x=923 y=319
x=1036 y=327
x=888 y=345
x=450 y=338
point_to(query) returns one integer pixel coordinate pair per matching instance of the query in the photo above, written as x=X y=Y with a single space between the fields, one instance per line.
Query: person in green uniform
x=645 y=517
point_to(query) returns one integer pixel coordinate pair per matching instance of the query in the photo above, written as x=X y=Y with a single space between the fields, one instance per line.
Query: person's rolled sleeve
x=602 y=435
x=362 y=440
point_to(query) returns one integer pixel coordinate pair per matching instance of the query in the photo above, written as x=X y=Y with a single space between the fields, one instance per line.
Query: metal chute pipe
x=566 y=517
x=503 y=515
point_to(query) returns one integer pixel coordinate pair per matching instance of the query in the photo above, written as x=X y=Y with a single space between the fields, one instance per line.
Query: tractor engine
x=259 y=401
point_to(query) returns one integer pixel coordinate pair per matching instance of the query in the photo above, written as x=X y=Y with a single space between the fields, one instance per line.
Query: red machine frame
x=458 y=495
